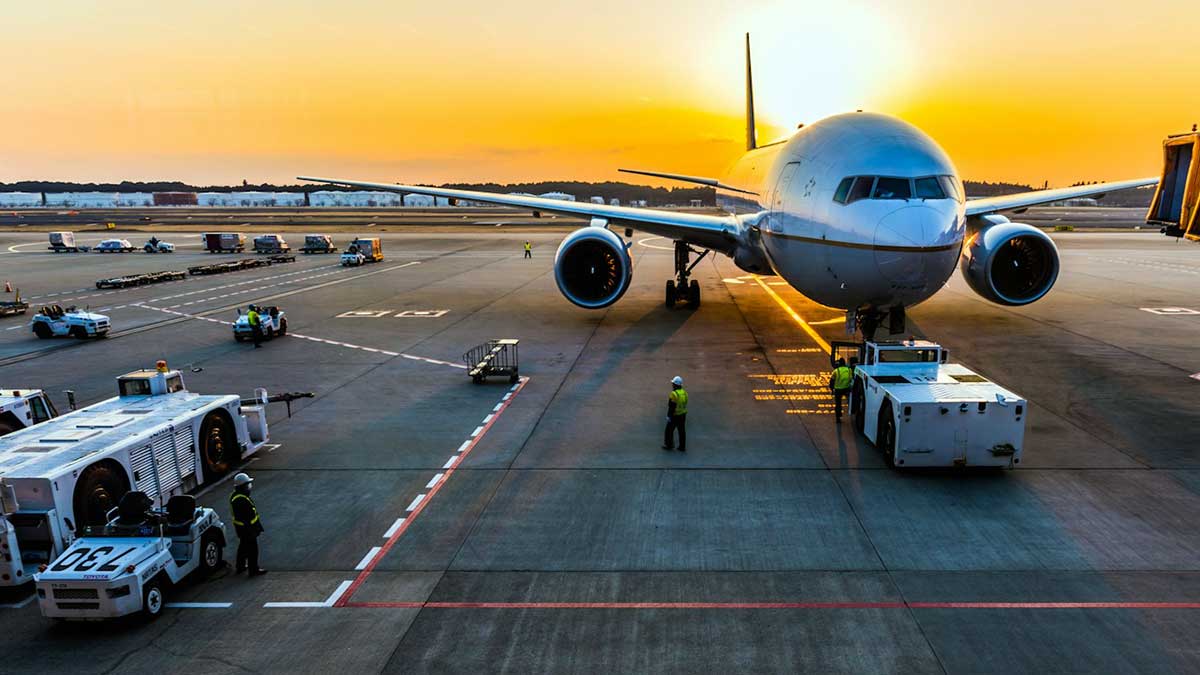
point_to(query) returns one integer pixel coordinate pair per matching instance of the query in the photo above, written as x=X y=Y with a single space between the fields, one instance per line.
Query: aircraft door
x=780 y=197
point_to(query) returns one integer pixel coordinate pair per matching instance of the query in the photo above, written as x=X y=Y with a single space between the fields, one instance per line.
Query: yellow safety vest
x=528 y=246
x=842 y=377
x=232 y=498
x=252 y=316
x=679 y=396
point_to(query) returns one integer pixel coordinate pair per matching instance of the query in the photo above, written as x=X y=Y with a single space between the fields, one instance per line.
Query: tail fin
x=751 y=135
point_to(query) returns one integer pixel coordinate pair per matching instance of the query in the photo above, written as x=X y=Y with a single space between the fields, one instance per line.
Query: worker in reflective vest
x=840 y=382
x=677 y=405
x=528 y=250
x=255 y=322
x=247 y=524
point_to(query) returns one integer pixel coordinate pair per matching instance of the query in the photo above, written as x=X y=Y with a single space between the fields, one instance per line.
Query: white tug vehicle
x=59 y=477
x=54 y=321
x=922 y=411
x=127 y=565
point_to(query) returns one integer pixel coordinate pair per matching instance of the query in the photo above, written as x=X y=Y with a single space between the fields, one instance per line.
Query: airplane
x=860 y=212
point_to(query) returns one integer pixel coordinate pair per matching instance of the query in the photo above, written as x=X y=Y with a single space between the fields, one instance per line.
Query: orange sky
x=219 y=91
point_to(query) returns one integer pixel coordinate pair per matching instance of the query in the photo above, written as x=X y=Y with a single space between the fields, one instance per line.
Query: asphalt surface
x=544 y=530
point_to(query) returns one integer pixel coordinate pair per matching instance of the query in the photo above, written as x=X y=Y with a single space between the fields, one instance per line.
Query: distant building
x=561 y=196
x=637 y=202
x=1078 y=201
x=696 y=203
x=597 y=200
x=614 y=202
x=20 y=200
x=172 y=199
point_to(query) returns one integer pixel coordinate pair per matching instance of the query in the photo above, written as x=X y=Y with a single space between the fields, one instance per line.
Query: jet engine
x=1009 y=263
x=592 y=267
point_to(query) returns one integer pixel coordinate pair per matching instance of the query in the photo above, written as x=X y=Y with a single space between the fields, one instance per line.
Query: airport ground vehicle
x=922 y=411
x=64 y=242
x=20 y=408
x=370 y=248
x=154 y=436
x=54 y=321
x=237 y=265
x=129 y=564
x=1176 y=203
x=141 y=279
x=224 y=242
x=274 y=324
x=271 y=243
x=14 y=306
x=318 y=243
x=494 y=358
x=155 y=245
x=114 y=246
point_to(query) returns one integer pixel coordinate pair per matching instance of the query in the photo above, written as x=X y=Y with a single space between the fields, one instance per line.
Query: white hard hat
x=242 y=479
x=677 y=380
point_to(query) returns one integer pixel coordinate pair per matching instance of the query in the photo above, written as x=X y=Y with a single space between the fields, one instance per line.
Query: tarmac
x=416 y=522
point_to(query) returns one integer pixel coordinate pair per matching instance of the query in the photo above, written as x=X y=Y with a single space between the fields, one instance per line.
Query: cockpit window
x=843 y=190
x=892 y=188
x=861 y=189
x=929 y=188
x=950 y=186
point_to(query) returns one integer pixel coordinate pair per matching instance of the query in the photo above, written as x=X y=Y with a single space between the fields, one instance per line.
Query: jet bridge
x=1174 y=207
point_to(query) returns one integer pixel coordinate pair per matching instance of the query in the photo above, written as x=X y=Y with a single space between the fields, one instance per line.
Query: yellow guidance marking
x=796 y=316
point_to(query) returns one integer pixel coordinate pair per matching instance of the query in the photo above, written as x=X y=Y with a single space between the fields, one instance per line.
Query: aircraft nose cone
x=902 y=240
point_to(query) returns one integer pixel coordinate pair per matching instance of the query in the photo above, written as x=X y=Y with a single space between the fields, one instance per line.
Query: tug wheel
x=218 y=445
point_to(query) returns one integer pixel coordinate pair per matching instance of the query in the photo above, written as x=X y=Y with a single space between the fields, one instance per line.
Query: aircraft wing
x=708 y=231
x=986 y=205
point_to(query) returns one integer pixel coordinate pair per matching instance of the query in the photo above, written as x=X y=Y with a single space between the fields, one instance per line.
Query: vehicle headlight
x=118 y=592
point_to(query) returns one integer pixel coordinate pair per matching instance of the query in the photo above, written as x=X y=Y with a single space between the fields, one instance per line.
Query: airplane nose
x=903 y=242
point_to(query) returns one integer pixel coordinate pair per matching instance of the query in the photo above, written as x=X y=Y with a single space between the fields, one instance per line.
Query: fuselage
x=856 y=210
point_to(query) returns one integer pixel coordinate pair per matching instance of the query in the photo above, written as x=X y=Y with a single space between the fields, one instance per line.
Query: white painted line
x=463 y=446
x=338 y=593
x=498 y=407
x=1195 y=376
x=507 y=396
x=416 y=502
x=362 y=564
x=434 y=481
x=294 y=604
x=199 y=605
x=488 y=419
x=450 y=462
x=515 y=387
x=392 y=530
x=476 y=432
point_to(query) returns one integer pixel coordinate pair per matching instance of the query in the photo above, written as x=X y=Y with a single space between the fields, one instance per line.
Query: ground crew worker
x=247 y=524
x=255 y=325
x=840 y=382
x=677 y=404
x=528 y=250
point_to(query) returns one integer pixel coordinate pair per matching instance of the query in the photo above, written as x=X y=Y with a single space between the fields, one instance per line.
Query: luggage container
x=64 y=242
x=224 y=242
x=1175 y=200
x=270 y=243
x=318 y=243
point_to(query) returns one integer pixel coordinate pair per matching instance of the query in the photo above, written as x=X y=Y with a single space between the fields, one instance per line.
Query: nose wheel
x=682 y=288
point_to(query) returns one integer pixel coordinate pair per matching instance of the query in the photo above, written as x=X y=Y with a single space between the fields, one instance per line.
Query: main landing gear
x=867 y=320
x=681 y=289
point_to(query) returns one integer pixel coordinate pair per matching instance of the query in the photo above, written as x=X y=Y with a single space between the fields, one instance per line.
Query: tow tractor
x=274 y=324
x=54 y=321
x=128 y=565
x=922 y=411
x=15 y=306
x=156 y=245
x=20 y=408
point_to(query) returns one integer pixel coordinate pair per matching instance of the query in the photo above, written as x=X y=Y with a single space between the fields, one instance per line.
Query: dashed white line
x=488 y=419
x=498 y=407
x=198 y=605
x=450 y=462
x=416 y=502
x=362 y=564
x=434 y=481
x=392 y=530
x=476 y=432
x=328 y=601
x=466 y=444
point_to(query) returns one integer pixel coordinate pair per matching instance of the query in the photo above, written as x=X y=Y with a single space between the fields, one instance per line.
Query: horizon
x=536 y=91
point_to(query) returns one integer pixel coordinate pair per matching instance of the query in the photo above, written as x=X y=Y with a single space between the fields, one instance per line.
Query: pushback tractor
x=156 y=437
x=922 y=411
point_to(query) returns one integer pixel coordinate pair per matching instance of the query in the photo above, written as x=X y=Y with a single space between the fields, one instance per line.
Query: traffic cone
x=7 y=286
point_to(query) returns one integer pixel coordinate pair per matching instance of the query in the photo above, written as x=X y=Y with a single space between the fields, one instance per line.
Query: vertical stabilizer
x=751 y=135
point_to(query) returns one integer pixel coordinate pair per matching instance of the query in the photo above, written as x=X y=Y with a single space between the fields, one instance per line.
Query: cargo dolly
x=141 y=279
x=493 y=358
x=10 y=307
x=238 y=265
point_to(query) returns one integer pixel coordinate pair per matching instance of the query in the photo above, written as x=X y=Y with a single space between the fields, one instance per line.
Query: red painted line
x=412 y=515
x=774 y=605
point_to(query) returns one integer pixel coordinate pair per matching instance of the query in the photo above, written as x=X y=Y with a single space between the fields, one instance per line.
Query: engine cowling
x=1010 y=263
x=592 y=267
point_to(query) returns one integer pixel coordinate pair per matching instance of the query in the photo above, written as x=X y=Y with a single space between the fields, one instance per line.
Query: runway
x=416 y=522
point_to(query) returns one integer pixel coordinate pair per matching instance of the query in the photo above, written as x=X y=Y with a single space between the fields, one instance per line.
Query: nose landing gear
x=867 y=320
x=681 y=289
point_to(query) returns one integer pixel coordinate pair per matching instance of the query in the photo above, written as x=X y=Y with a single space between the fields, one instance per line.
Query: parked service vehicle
x=155 y=437
x=270 y=243
x=54 y=321
x=14 y=306
x=318 y=243
x=922 y=411
x=20 y=408
x=130 y=563
x=352 y=259
x=273 y=321
x=156 y=245
x=114 y=246
x=371 y=249
x=224 y=242
x=64 y=242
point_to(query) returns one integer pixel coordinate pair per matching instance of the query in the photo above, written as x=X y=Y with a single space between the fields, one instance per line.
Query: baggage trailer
x=318 y=243
x=16 y=306
x=20 y=408
x=224 y=242
x=494 y=358
x=271 y=243
x=1176 y=204
x=141 y=279
x=922 y=411
x=64 y=242
x=155 y=436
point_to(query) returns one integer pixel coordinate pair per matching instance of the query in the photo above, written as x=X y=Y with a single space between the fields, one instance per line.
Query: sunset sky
x=220 y=91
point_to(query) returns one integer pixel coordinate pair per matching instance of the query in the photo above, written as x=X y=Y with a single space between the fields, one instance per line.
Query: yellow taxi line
x=812 y=333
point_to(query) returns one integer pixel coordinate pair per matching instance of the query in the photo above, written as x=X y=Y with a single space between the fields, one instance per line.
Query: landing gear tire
x=886 y=438
x=218 y=446
x=693 y=300
x=97 y=491
x=670 y=294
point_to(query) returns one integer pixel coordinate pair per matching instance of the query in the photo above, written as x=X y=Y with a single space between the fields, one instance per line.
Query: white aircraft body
x=860 y=212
